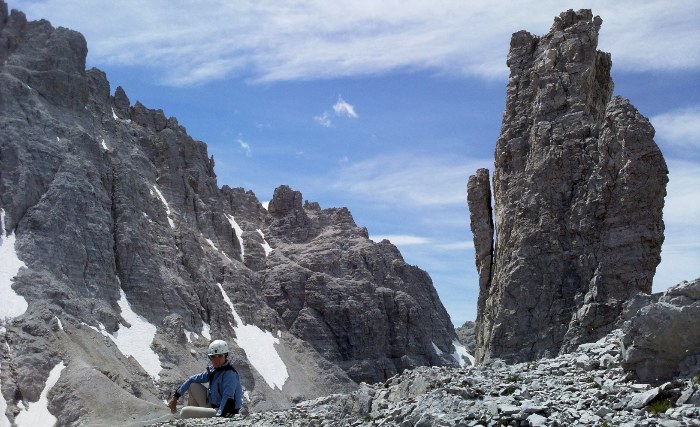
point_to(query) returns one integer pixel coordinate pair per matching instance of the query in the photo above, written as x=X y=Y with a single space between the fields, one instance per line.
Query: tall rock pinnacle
x=579 y=187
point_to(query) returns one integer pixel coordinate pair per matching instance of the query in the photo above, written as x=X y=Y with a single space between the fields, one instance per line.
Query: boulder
x=662 y=339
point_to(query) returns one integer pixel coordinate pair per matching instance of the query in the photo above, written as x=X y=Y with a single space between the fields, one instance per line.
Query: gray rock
x=578 y=188
x=537 y=420
x=111 y=200
x=400 y=402
x=640 y=400
x=662 y=340
x=481 y=222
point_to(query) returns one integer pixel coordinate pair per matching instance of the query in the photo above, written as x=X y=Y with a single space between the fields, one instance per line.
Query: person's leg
x=198 y=396
x=197 y=412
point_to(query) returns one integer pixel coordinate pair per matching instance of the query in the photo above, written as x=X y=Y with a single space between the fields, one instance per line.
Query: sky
x=386 y=107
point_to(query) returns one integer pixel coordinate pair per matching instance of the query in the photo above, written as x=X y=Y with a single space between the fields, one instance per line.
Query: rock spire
x=579 y=187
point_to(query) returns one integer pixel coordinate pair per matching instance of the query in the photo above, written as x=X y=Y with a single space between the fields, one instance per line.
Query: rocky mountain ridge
x=130 y=258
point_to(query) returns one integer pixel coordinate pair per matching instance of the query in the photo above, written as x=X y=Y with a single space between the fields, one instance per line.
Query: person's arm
x=202 y=377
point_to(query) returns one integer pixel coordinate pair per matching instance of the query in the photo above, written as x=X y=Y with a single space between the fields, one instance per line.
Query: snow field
x=135 y=340
x=259 y=347
x=37 y=413
x=460 y=355
x=239 y=234
x=13 y=304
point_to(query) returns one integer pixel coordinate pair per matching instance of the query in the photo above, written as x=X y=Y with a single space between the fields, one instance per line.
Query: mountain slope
x=134 y=258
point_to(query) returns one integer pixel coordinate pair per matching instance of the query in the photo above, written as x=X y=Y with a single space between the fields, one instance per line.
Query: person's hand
x=172 y=404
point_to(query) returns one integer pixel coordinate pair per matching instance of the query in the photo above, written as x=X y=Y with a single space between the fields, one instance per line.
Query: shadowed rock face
x=110 y=200
x=579 y=188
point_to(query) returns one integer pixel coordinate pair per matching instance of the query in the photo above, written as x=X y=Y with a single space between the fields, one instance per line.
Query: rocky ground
x=584 y=388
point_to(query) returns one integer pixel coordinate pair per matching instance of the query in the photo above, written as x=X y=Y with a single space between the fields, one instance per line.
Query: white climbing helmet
x=218 y=347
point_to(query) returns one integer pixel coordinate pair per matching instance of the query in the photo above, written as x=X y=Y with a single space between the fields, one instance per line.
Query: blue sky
x=386 y=107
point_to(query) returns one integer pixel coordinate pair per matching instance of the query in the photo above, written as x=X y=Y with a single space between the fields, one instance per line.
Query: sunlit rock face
x=130 y=258
x=578 y=188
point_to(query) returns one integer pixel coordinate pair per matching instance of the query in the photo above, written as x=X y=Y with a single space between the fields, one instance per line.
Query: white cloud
x=244 y=146
x=457 y=246
x=324 y=119
x=402 y=239
x=267 y=40
x=680 y=128
x=409 y=180
x=682 y=207
x=681 y=249
x=342 y=108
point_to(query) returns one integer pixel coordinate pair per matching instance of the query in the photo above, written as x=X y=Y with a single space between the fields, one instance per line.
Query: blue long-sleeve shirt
x=224 y=384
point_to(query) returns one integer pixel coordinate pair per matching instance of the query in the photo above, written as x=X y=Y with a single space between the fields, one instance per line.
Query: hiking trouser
x=198 y=405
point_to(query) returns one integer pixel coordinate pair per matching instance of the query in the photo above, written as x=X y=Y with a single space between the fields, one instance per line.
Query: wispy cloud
x=343 y=109
x=682 y=207
x=244 y=146
x=402 y=239
x=681 y=250
x=408 y=180
x=266 y=40
x=680 y=128
x=324 y=119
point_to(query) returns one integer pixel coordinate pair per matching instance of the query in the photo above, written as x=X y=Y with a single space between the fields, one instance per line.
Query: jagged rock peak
x=285 y=200
x=578 y=188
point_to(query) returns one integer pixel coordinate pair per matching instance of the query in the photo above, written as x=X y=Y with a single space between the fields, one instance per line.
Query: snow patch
x=60 y=325
x=205 y=331
x=239 y=234
x=259 y=347
x=37 y=413
x=167 y=206
x=191 y=336
x=104 y=145
x=265 y=245
x=217 y=249
x=461 y=355
x=136 y=340
x=13 y=304
x=212 y=244
x=114 y=115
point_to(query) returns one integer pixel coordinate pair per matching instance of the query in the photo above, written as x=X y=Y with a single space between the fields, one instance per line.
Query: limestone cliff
x=116 y=214
x=579 y=188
